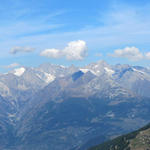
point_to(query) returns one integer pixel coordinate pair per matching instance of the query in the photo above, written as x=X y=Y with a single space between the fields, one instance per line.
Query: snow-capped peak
x=46 y=77
x=87 y=70
x=109 y=71
x=84 y=70
x=49 y=77
x=19 y=71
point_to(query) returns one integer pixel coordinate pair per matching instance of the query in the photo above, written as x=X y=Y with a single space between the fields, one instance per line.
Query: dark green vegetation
x=137 y=140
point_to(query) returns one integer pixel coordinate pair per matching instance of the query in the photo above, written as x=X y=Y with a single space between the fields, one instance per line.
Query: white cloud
x=131 y=53
x=147 y=55
x=75 y=50
x=54 y=53
x=13 y=65
x=19 y=49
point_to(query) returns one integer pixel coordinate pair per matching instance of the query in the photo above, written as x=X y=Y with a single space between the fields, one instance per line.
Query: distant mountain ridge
x=57 y=107
x=25 y=80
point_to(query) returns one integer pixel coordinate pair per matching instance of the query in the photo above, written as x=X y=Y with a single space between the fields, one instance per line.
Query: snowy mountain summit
x=134 y=79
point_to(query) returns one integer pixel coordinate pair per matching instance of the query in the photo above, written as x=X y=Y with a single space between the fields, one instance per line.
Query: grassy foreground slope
x=137 y=140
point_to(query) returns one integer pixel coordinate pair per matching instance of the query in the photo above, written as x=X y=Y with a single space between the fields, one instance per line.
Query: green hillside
x=137 y=140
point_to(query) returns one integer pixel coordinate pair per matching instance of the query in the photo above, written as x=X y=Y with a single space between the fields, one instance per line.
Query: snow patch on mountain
x=139 y=71
x=84 y=70
x=49 y=77
x=46 y=77
x=19 y=71
x=87 y=70
x=109 y=71
x=96 y=66
x=63 y=66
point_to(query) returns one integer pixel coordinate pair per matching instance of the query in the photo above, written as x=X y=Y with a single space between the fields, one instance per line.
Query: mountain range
x=53 y=107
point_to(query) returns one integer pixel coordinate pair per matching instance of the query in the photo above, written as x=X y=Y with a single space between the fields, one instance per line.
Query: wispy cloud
x=19 y=49
x=21 y=21
x=75 y=50
x=13 y=65
x=122 y=26
x=147 y=55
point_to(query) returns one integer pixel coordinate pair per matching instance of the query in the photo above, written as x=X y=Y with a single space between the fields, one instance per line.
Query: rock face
x=137 y=140
x=7 y=114
x=57 y=107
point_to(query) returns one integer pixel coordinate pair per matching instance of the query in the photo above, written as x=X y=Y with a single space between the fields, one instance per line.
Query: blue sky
x=74 y=32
